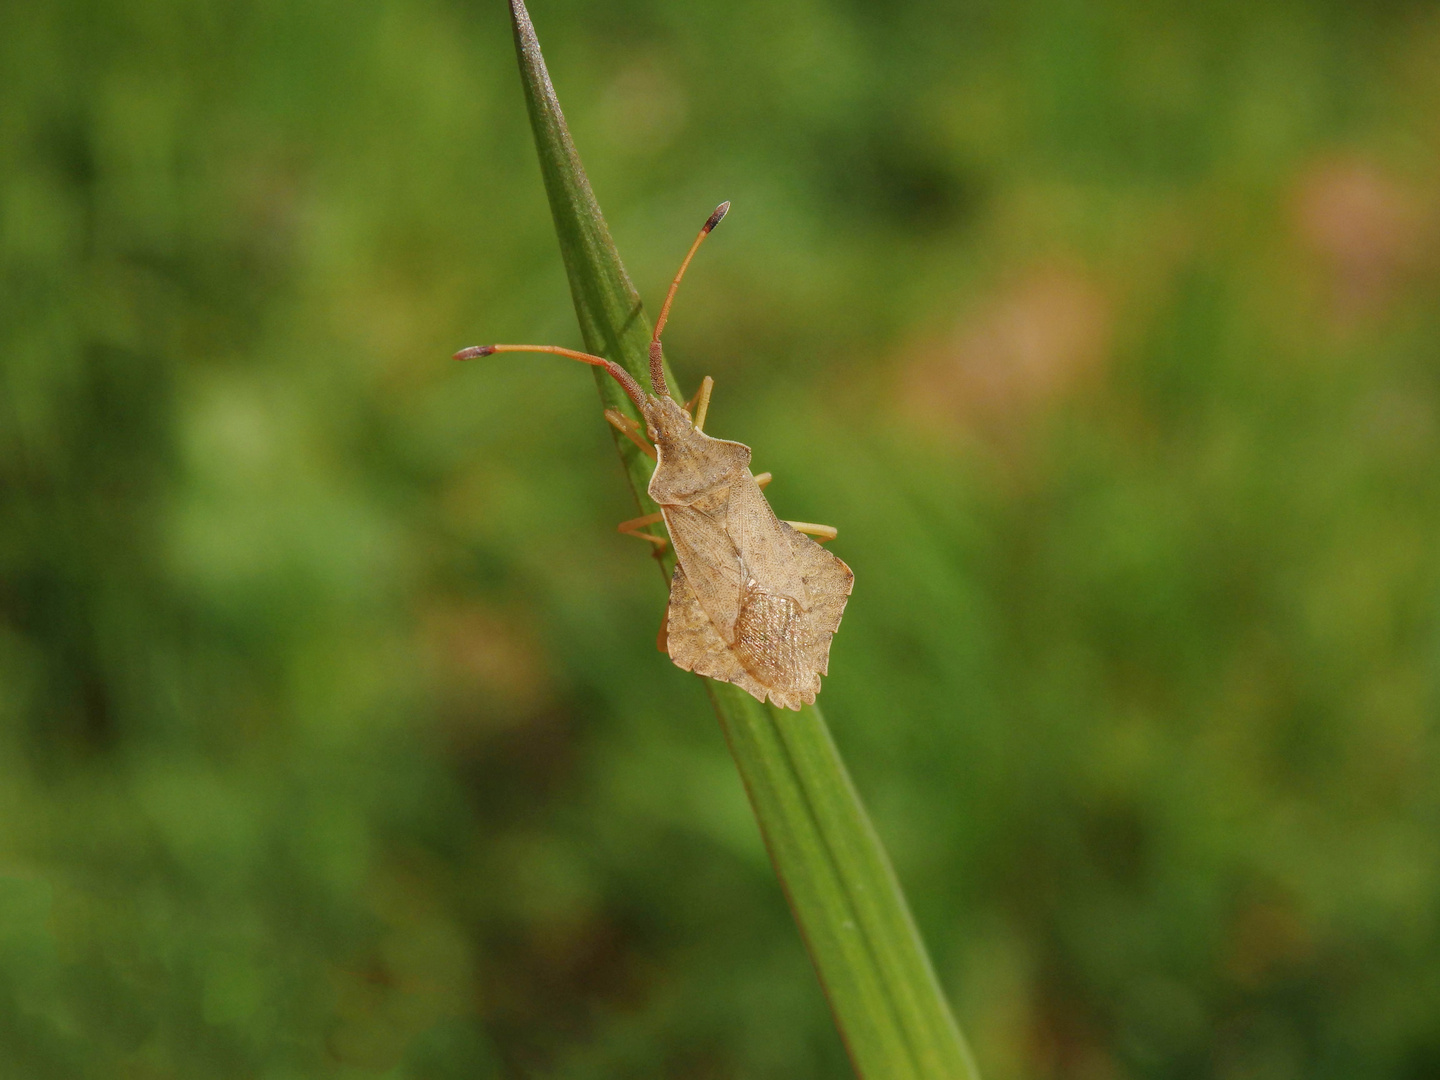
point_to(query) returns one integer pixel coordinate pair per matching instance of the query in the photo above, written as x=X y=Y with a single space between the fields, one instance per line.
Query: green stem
x=842 y=890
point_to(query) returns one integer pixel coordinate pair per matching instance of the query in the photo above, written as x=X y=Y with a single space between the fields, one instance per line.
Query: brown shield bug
x=754 y=600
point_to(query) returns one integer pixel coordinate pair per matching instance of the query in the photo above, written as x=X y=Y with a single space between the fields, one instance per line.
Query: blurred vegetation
x=1106 y=333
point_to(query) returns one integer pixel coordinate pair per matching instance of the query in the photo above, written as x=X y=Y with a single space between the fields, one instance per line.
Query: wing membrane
x=709 y=557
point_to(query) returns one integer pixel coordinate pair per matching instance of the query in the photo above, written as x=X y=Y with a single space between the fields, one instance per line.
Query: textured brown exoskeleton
x=753 y=600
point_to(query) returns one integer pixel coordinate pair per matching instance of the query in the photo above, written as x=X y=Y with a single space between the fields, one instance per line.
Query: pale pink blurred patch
x=1008 y=358
x=1366 y=229
x=1267 y=938
x=483 y=661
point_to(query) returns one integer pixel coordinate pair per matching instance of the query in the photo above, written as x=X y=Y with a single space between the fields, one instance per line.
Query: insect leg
x=820 y=532
x=763 y=479
x=634 y=525
x=631 y=430
x=702 y=399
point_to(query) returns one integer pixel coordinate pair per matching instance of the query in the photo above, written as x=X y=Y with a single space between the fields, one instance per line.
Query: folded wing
x=752 y=601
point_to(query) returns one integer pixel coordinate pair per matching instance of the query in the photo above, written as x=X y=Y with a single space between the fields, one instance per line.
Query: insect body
x=753 y=600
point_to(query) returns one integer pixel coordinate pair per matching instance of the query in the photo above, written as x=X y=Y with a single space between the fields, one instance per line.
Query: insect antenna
x=623 y=377
x=657 y=369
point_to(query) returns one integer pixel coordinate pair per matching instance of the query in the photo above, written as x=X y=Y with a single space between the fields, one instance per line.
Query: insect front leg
x=631 y=430
x=634 y=526
x=699 y=405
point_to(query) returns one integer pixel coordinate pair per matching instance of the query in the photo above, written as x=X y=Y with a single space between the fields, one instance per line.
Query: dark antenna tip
x=474 y=352
x=720 y=212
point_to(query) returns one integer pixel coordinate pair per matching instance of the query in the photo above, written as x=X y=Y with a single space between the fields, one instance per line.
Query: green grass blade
x=872 y=964
x=612 y=321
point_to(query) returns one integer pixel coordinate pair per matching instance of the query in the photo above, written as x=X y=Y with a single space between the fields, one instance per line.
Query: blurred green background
x=333 y=739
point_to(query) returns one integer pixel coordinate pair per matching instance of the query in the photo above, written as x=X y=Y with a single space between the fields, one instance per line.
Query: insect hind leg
x=821 y=533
